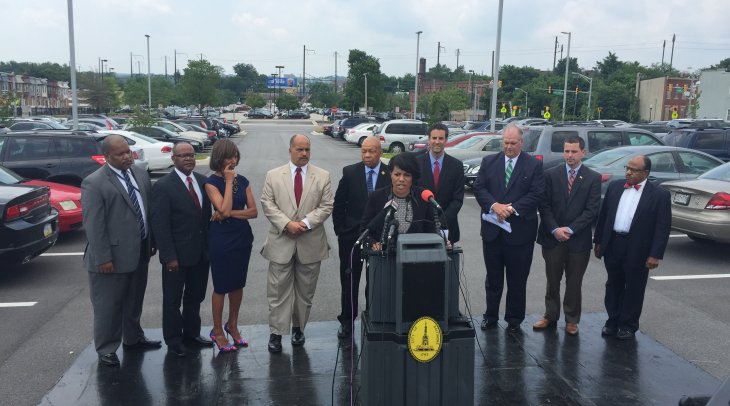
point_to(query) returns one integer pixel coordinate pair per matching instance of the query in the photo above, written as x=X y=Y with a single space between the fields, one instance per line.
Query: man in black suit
x=508 y=188
x=570 y=207
x=444 y=176
x=180 y=215
x=632 y=234
x=357 y=182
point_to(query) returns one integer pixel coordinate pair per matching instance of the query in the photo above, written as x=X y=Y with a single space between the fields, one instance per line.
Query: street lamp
x=271 y=101
x=366 y=92
x=415 y=97
x=471 y=89
x=278 y=84
x=528 y=109
x=567 y=67
x=101 y=102
x=149 y=77
x=590 y=92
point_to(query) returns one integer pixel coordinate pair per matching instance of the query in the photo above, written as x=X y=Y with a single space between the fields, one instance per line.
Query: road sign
x=503 y=109
x=675 y=115
x=280 y=83
x=546 y=115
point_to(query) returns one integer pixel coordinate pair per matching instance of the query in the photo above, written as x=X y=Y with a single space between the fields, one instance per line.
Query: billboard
x=280 y=83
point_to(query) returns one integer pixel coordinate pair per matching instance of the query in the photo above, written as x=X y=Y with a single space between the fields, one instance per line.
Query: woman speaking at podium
x=397 y=209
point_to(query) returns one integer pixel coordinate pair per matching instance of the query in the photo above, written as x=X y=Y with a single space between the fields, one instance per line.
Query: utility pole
x=165 y=66
x=555 y=51
x=492 y=64
x=457 y=58
x=438 y=53
x=174 y=70
x=671 y=58
x=561 y=51
x=304 y=71
x=418 y=64
x=495 y=67
x=664 y=47
x=335 y=72
x=131 y=66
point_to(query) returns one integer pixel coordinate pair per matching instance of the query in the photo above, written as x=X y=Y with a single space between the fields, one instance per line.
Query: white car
x=158 y=154
x=177 y=128
x=359 y=133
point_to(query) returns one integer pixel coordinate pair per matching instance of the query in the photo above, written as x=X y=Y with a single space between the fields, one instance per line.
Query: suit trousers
x=349 y=280
x=559 y=260
x=625 y=286
x=187 y=286
x=512 y=262
x=290 y=289
x=117 y=300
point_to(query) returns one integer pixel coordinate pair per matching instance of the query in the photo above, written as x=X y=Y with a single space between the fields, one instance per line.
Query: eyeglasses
x=185 y=156
x=633 y=170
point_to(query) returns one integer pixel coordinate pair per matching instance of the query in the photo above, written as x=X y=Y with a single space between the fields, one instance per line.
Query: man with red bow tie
x=631 y=235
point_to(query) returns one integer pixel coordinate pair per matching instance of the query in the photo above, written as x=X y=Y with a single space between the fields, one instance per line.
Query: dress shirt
x=120 y=178
x=514 y=163
x=375 y=173
x=184 y=179
x=293 y=170
x=440 y=161
x=567 y=174
x=627 y=208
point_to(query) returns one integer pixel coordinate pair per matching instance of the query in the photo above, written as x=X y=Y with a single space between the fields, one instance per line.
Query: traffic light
x=500 y=84
x=577 y=90
x=547 y=108
x=669 y=87
x=550 y=89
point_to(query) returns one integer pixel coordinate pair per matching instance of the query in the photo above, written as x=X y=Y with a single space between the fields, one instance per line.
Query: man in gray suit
x=115 y=199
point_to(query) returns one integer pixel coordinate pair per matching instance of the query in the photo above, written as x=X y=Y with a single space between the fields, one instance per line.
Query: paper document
x=492 y=218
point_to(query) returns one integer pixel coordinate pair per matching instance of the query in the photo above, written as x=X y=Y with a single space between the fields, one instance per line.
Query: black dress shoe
x=625 y=334
x=513 y=327
x=199 y=341
x=488 y=324
x=345 y=331
x=176 y=349
x=144 y=343
x=274 y=343
x=110 y=360
x=608 y=331
x=297 y=336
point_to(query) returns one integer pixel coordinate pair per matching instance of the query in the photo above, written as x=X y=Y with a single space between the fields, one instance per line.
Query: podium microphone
x=392 y=229
x=390 y=208
x=427 y=196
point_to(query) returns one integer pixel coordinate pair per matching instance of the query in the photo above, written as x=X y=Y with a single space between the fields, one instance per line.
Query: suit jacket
x=280 y=207
x=577 y=210
x=649 y=231
x=180 y=228
x=351 y=197
x=450 y=191
x=373 y=218
x=525 y=191
x=110 y=221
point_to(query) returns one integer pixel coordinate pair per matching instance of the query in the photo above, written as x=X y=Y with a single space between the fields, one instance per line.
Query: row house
x=35 y=95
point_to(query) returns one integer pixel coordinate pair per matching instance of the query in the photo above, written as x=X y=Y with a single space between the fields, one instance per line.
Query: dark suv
x=713 y=141
x=351 y=122
x=56 y=156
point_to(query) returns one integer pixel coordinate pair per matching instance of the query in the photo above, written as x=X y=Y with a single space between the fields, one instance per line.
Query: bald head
x=299 y=150
x=116 y=151
x=371 y=152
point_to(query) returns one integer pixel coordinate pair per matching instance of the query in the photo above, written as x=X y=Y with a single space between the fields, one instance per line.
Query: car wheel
x=396 y=148
x=700 y=239
x=361 y=140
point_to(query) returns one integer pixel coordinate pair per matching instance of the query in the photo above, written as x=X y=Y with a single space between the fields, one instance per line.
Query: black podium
x=420 y=280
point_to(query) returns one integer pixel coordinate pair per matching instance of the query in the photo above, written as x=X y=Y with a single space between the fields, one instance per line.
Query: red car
x=64 y=198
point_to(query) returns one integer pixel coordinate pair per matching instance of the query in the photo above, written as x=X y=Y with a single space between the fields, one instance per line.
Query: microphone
x=362 y=236
x=392 y=229
x=427 y=196
x=390 y=208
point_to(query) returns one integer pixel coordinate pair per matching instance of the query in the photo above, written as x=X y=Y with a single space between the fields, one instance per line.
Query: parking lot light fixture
x=567 y=68
x=415 y=96
x=149 y=77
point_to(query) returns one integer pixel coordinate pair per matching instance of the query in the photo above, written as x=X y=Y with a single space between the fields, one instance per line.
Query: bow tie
x=628 y=185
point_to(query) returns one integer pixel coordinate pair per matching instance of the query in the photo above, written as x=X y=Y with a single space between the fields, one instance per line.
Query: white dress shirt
x=627 y=208
x=120 y=177
x=196 y=187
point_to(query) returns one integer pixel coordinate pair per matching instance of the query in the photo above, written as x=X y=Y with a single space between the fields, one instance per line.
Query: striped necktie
x=508 y=172
x=135 y=203
x=571 y=179
x=370 y=181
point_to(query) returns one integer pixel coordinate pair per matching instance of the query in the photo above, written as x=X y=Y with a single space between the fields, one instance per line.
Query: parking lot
x=46 y=315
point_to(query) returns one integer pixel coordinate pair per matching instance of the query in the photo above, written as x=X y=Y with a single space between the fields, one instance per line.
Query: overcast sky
x=270 y=33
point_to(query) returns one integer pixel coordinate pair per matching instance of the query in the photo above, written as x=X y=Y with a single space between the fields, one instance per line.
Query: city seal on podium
x=425 y=339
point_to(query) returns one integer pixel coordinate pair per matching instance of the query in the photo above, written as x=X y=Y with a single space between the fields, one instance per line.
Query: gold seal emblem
x=425 y=339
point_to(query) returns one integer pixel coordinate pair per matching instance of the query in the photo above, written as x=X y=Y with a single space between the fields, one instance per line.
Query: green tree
x=249 y=77
x=287 y=102
x=200 y=81
x=359 y=64
x=560 y=67
x=402 y=101
x=513 y=76
x=163 y=91
x=47 y=70
x=102 y=95
x=438 y=105
x=439 y=72
x=323 y=94
x=254 y=100
x=724 y=64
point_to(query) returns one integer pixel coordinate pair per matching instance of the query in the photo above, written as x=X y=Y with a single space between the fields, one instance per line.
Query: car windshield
x=472 y=125
x=470 y=142
x=529 y=139
x=607 y=158
x=144 y=137
x=721 y=172
x=8 y=177
x=55 y=125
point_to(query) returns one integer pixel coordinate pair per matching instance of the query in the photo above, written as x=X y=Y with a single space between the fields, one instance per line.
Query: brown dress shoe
x=542 y=324
x=571 y=328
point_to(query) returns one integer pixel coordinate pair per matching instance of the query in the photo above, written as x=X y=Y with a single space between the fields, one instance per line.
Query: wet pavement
x=526 y=368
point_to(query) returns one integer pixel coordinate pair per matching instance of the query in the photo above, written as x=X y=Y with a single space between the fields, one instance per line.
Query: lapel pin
x=580 y=177
x=382 y=173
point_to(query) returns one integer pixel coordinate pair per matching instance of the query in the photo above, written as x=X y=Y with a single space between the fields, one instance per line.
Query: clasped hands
x=502 y=211
x=296 y=228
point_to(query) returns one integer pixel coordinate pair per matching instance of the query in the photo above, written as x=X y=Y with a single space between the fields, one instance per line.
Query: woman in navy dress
x=229 y=240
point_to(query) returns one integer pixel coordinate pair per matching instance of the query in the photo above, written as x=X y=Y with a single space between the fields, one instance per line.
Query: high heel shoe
x=241 y=343
x=226 y=348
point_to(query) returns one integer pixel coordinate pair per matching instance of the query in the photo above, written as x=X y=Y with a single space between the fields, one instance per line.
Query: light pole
x=590 y=92
x=527 y=108
x=72 y=63
x=495 y=66
x=366 y=92
x=101 y=102
x=415 y=97
x=278 y=83
x=471 y=88
x=149 y=77
x=271 y=101
x=567 y=67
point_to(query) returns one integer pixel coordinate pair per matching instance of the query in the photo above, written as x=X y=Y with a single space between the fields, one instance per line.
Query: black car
x=297 y=114
x=56 y=156
x=28 y=226
x=713 y=141
x=350 y=123
x=36 y=125
x=260 y=113
x=162 y=134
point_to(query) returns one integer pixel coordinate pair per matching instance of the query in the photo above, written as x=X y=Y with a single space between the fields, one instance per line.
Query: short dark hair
x=647 y=163
x=176 y=146
x=222 y=150
x=106 y=144
x=407 y=162
x=439 y=126
x=575 y=139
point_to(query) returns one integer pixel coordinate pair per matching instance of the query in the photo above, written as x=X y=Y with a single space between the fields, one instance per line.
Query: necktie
x=436 y=173
x=192 y=193
x=371 y=187
x=628 y=185
x=135 y=203
x=298 y=185
x=571 y=179
x=508 y=172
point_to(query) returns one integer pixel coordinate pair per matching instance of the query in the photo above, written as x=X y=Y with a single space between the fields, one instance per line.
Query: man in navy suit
x=570 y=207
x=631 y=235
x=444 y=176
x=357 y=182
x=508 y=188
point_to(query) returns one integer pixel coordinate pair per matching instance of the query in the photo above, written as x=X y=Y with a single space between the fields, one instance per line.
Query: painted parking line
x=18 y=304
x=684 y=277
x=61 y=254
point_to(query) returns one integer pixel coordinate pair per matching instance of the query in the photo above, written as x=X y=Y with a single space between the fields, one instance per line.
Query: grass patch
x=201 y=156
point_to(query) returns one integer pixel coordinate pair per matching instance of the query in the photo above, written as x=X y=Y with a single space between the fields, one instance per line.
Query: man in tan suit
x=297 y=199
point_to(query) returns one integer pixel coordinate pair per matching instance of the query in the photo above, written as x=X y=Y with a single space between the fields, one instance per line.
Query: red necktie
x=436 y=173
x=571 y=179
x=628 y=185
x=298 y=185
x=193 y=195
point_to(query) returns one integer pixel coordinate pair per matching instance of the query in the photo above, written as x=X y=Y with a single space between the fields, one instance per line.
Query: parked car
x=659 y=130
x=203 y=137
x=28 y=226
x=158 y=154
x=212 y=135
x=36 y=125
x=359 y=133
x=162 y=134
x=56 y=156
x=335 y=128
x=396 y=134
x=296 y=114
x=701 y=207
x=260 y=113
x=476 y=147
x=698 y=123
x=471 y=168
x=667 y=163
x=327 y=129
x=714 y=141
x=103 y=120
x=351 y=122
x=64 y=198
x=421 y=144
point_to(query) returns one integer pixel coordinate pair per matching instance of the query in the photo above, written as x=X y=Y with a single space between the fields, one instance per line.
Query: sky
x=270 y=33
